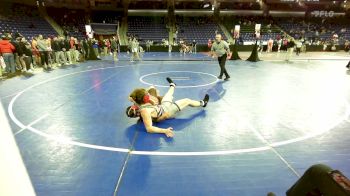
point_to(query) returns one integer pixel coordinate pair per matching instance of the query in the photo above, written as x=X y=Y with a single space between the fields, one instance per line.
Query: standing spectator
x=194 y=46
x=104 y=47
x=108 y=44
x=299 y=44
x=85 y=48
x=148 y=45
x=44 y=52
x=279 y=43
x=77 y=49
x=114 y=48
x=35 y=50
x=21 y=54
x=135 y=50
x=27 y=55
x=209 y=44
x=14 y=42
x=118 y=43
x=66 y=48
x=57 y=49
x=92 y=52
x=6 y=50
x=129 y=45
x=95 y=47
x=269 y=45
x=49 y=49
x=220 y=49
x=325 y=45
x=72 y=50
x=290 y=48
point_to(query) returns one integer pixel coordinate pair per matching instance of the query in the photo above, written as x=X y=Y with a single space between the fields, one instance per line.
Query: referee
x=220 y=48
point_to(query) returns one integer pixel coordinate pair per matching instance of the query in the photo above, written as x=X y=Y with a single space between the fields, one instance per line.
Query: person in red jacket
x=7 y=50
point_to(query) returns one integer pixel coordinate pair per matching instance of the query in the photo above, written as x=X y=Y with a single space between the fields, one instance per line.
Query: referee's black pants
x=222 y=62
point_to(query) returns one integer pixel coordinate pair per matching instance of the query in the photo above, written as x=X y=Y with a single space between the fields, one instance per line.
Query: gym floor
x=260 y=131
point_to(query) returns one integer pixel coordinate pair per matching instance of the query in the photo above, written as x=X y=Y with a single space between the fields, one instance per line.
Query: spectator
x=299 y=44
x=95 y=48
x=194 y=46
x=7 y=50
x=72 y=50
x=279 y=44
x=65 y=48
x=21 y=54
x=49 y=49
x=57 y=49
x=76 y=50
x=290 y=48
x=209 y=44
x=269 y=45
x=114 y=48
x=27 y=55
x=35 y=50
x=135 y=50
x=14 y=42
x=44 y=52
x=148 y=45
x=108 y=44
x=85 y=48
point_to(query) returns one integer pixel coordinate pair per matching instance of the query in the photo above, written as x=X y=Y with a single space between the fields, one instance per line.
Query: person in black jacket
x=290 y=49
x=57 y=49
x=65 y=48
x=15 y=42
x=25 y=54
x=20 y=47
x=114 y=48
x=85 y=48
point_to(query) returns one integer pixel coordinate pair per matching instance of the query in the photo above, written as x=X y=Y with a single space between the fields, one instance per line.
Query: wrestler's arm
x=147 y=120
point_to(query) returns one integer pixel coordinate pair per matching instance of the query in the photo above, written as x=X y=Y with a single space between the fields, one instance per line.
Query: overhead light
x=206 y=5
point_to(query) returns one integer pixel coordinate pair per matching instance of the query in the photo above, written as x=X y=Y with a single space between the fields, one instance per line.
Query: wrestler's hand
x=169 y=132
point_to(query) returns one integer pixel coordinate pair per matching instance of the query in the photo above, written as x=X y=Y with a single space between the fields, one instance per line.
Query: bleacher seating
x=73 y=21
x=247 y=29
x=191 y=29
x=27 y=25
x=308 y=30
x=148 y=28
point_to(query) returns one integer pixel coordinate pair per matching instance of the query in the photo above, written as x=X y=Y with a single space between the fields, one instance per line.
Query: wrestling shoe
x=205 y=100
x=171 y=82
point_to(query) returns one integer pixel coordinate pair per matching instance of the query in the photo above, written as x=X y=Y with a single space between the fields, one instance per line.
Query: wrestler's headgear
x=132 y=111
x=146 y=98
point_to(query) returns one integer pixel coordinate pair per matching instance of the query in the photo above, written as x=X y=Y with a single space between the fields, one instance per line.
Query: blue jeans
x=10 y=62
